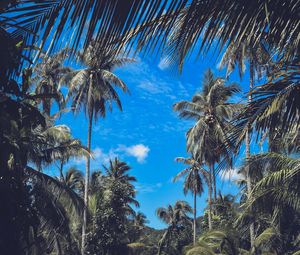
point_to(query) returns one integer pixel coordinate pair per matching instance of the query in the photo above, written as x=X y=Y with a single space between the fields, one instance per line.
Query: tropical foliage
x=77 y=45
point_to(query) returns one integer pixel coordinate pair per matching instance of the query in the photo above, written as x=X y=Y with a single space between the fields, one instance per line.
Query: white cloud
x=182 y=90
x=139 y=151
x=231 y=175
x=148 y=188
x=150 y=87
x=155 y=86
x=99 y=156
x=103 y=158
x=163 y=63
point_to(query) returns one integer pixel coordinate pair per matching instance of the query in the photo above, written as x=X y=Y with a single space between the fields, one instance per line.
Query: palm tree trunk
x=47 y=103
x=214 y=182
x=210 y=202
x=62 y=178
x=159 y=249
x=162 y=241
x=86 y=186
x=247 y=142
x=195 y=224
x=47 y=107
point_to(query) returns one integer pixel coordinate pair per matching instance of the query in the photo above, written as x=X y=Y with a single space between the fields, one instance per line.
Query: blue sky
x=147 y=134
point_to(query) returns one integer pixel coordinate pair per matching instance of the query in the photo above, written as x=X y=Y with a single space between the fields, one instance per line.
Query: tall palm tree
x=175 y=217
x=212 y=111
x=92 y=88
x=272 y=110
x=193 y=183
x=237 y=55
x=48 y=73
x=274 y=107
x=259 y=60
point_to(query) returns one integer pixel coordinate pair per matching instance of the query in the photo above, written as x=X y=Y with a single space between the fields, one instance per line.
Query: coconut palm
x=274 y=107
x=112 y=196
x=48 y=73
x=74 y=180
x=140 y=220
x=275 y=196
x=212 y=112
x=57 y=206
x=279 y=185
x=259 y=61
x=48 y=199
x=216 y=242
x=175 y=217
x=117 y=174
x=273 y=111
x=117 y=184
x=237 y=55
x=193 y=182
x=136 y=226
x=65 y=145
x=118 y=171
x=55 y=144
x=92 y=88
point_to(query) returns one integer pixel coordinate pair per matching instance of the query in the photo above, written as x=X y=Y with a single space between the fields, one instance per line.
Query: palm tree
x=58 y=206
x=25 y=140
x=272 y=111
x=259 y=60
x=74 y=180
x=117 y=174
x=112 y=196
x=279 y=185
x=136 y=226
x=275 y=196
x=140 y=220
x=212 y=112
x=67 y=147
x=59 y=145
x=47 y=76
x=93 y=89
x=216 y=242
x=175 y=217
x=117 y=171
x=193 y=183
x=237 y=55
x=274 y=107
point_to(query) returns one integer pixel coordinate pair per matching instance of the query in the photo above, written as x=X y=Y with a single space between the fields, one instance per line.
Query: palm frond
x=75 y=203
x=275 y=105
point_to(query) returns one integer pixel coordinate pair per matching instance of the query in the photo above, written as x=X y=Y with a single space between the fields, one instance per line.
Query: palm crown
x=48 y=75
x=93 y=86
x=193 y=181
x=212 y=111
